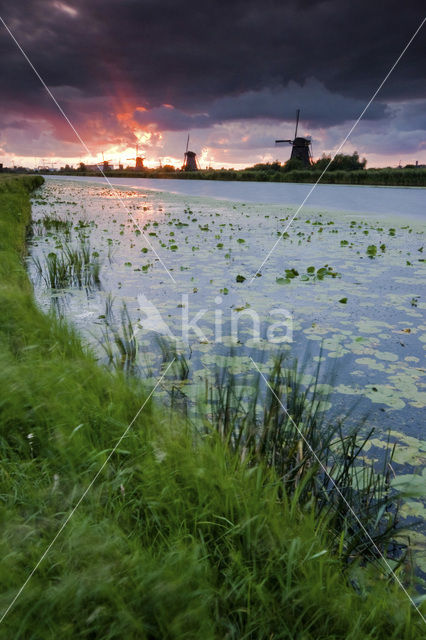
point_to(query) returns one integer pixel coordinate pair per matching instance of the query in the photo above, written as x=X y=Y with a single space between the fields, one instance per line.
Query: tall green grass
x=180 y=537
x=281 y=423
x=320 y=462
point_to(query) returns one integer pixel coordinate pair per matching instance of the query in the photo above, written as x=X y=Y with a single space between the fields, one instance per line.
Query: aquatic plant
x=57 y=272
x=56 y=224
x=83 y=263
x=123 y=337
x=72 y=265
x=51 y=225
x=312 y=274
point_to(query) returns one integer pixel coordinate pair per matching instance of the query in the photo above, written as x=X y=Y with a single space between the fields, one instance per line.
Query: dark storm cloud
x=167 y=118
x=320 y=108
x=213 y=62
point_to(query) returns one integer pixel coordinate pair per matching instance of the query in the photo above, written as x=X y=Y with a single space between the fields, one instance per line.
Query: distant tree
x=273 y=166
x=265 y=166
x=168 y=167
x=81 y=166
x=342 y=162
x=294 y=164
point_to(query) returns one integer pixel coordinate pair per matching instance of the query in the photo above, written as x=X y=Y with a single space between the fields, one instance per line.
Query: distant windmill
x=138 y=160
x=300 y=147
x=105 y=163
x=189 y=159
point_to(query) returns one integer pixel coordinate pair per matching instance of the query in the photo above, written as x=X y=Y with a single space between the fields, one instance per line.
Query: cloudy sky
x=233 y=72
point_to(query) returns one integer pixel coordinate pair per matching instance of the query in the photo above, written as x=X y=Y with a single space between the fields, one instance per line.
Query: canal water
x=343 y=286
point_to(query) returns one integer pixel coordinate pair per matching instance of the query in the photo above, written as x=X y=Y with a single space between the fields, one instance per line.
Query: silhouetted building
x=300 y=150
x=300 y=147
x=190 y=162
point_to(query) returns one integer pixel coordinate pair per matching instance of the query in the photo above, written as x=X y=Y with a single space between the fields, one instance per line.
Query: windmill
x=300 y=147
x=189 y=159
x=138 y=160
x=105 y=164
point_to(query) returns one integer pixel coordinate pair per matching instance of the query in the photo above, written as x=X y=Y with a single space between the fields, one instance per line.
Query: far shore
x=415 y=177
x=410 y=176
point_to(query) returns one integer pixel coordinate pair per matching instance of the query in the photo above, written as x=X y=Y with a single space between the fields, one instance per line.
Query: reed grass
x=322 y=462
x=123 y=337
x=52 y=223
x=70 y=266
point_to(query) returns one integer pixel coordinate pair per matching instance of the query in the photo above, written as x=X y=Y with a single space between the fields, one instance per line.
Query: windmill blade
x=186 y=151
x=297 y=122
x=279 y=141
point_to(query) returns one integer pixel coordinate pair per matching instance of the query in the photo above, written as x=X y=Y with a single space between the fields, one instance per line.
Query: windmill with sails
x=301 y=148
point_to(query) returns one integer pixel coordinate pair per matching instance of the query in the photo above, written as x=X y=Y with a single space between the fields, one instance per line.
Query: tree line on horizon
x=342 y=169
x=341 y=162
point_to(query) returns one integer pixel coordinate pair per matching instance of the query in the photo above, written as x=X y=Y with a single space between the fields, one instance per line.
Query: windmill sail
x=297 y=123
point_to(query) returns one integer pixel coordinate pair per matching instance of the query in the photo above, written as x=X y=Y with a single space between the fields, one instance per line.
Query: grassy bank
x=179 y=537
